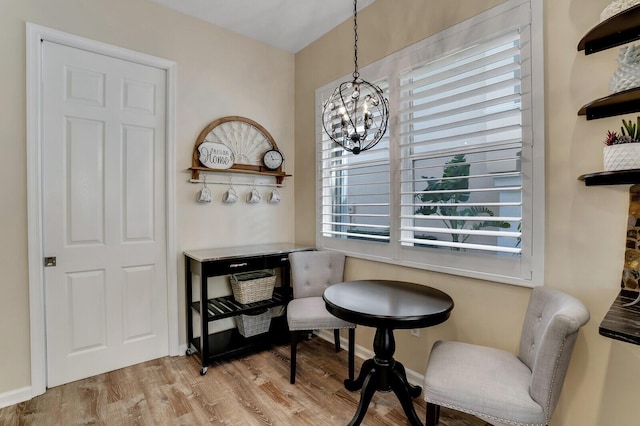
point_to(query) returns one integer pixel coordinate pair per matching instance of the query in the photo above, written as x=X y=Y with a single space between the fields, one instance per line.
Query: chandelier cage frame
x=356 y=114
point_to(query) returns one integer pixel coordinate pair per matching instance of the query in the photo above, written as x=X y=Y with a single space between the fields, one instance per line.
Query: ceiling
x=287 y=24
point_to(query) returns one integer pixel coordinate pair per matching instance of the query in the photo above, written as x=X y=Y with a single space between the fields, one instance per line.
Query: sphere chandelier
x=356 y=114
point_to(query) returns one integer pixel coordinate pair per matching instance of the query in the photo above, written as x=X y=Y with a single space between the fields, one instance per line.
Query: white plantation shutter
x=457 y=185
x=470 y=201
x=461 y=139
x=355 y=191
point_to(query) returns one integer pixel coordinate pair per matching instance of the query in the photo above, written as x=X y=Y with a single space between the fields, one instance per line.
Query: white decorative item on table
x=616 y=7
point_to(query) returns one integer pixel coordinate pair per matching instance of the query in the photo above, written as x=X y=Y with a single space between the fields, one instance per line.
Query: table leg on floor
x=354 y=385
x=369 y=388
x=383 y=373
x=414 y=391
x=405 y=392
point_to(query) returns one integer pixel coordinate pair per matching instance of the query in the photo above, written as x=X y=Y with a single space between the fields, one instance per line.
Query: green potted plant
x=622 y=150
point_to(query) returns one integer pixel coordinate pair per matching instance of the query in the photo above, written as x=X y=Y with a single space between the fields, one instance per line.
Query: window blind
x=457 y=185
x=355 y=192
x=461 y=145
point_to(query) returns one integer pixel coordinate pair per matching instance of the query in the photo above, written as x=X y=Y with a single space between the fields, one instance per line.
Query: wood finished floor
x=253 y=390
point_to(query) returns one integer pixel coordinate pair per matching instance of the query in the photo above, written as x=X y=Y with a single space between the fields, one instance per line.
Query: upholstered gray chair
x=498 y=386
x=311 y=273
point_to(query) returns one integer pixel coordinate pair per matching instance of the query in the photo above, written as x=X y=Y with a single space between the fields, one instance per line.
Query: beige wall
x=585 y=232
x=218 y=73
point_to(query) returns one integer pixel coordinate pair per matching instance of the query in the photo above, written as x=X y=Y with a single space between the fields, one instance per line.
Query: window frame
x=533 y=218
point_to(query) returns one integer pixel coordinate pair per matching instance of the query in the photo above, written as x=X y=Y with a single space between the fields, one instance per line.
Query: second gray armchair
x=311 y=273
x=499 y=386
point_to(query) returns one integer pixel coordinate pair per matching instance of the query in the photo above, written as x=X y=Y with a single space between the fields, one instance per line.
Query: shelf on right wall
x=623 y=318
x=615 y=31
x=619 y=103
x=616 y=177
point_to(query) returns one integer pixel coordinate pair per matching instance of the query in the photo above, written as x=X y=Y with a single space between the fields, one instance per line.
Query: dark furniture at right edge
x=622 y=322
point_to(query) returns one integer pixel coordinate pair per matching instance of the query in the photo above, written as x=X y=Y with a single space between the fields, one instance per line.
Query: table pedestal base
x=384 y=374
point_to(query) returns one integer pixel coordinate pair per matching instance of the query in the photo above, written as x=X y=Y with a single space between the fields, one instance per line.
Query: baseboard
x=15 y=396
x=182 y=349
x=413 y=377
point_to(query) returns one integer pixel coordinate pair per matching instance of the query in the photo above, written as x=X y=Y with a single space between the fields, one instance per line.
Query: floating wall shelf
x=618 y=177
x=615 y=31
x=617 y=104
x=249 y=170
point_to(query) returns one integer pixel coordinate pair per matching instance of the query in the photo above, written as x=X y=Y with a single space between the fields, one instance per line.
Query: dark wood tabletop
x=388 y=303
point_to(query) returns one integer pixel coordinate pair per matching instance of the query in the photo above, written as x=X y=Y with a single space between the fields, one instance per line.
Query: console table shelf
x=230 y=343
x=225 y=307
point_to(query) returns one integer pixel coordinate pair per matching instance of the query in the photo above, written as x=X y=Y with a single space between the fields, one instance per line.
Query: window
x=457 y=184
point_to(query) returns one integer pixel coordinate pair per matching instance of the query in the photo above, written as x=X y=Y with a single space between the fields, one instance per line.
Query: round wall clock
x=272 y=159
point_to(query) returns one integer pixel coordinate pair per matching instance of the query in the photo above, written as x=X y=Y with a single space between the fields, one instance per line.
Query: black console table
x=224 y=261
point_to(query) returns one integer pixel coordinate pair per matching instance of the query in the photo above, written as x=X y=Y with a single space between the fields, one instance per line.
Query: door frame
x=35 y=34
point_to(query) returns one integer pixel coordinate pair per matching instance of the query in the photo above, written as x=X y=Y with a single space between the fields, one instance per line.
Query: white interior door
x=103 y=159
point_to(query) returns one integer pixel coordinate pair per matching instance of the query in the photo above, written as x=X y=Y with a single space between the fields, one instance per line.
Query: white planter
x=622 y=157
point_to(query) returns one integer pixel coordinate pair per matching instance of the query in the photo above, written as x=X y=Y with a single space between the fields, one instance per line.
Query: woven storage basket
x=251 y=325
x=250 y=287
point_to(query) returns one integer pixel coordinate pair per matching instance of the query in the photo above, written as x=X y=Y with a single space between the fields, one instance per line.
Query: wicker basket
x=251 y=325
x=250 y=287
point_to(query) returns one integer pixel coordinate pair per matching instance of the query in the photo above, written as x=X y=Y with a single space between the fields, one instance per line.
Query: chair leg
x=352 y=349
x=336 y=339
x=294 y=350
x=433 y=414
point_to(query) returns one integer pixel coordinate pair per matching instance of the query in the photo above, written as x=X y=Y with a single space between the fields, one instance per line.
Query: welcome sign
x=215 y=155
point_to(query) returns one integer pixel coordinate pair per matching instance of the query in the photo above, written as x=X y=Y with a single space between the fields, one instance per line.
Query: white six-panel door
x=103 y=158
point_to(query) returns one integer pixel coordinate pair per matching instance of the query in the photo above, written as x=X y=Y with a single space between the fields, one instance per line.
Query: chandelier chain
x=356 y=74
x=356 y=115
